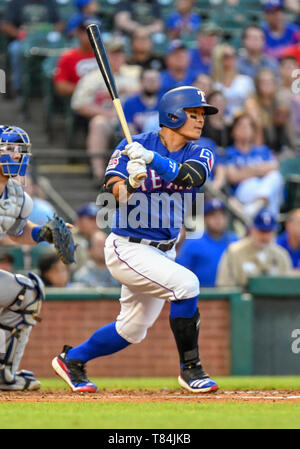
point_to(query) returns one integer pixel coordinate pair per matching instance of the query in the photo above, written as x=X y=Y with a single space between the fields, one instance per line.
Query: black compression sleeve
x=191 y=174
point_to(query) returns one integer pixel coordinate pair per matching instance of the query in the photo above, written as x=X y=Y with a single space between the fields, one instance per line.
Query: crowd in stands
x=253 y=80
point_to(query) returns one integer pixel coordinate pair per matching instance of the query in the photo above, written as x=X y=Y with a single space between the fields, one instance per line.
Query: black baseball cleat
x=193 y=378
x=72 y=372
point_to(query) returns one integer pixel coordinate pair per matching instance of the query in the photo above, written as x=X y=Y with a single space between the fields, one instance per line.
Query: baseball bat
x=99 y=50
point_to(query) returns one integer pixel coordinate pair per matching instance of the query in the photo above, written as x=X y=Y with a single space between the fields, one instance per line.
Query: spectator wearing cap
x=201 y=56
x=53 y=272
x=257 y=254
x=183 y=23
x=89 y=7
x=178 y=72
x=92 y=101
x=85 y=226
x=75 y=62
x=201 y=254
x=94 y=273
x=290 y=238
x=19 y=18
x=251 y=56
x=279 y=34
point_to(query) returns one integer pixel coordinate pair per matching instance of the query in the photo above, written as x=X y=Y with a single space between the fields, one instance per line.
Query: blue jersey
x=202 y=255
x=255 y=156
x=274 y=43
x=168 y=82
x=137 y=112
x=160 y=218
x=282 y=240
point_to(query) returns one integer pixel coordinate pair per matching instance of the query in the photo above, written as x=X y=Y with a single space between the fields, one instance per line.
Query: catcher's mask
x=14 y=150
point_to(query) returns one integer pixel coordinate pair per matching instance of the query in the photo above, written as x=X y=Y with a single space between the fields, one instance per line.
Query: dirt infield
x=164 y=395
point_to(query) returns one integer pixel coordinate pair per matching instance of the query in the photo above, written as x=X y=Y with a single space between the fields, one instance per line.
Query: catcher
x=21 y=296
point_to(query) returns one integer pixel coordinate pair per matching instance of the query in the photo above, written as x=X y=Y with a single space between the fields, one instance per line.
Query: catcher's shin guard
x=16 y=321
x=192 y=377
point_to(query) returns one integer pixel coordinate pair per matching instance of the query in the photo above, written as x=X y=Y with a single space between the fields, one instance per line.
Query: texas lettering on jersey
x=168 y=216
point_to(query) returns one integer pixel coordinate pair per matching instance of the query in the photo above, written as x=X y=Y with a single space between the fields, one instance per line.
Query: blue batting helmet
x=14 y=139
x=172 y=104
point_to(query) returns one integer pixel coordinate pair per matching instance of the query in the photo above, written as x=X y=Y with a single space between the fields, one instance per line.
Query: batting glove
x=137 y=172
x=135 y=150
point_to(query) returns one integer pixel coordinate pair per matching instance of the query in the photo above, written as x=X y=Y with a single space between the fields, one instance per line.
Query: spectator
x=131 y=14
x=235 y=87
x=76 y=62
x=42 y=210
x=279 y=33
x=290 y=239
x=139 y=108
x=202 y=255
x=183 y=23
x=19 y=17
x=217 y=129
x=201 y=56
x=85 y=226
x=94 y=273
x=142 y=53
x=252 y=170
x=255 y=255
x=178 y=71
x=204 y=82
x=292 y=51
x=7 y=261
x=92 y=100
x=264 y=108
x=252 y=57
x=53 y=272
x=88 y=7
x=288 y=97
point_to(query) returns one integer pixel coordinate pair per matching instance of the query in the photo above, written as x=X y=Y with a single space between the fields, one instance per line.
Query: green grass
x=83 y=415
x=225 y=383
x=154 y=415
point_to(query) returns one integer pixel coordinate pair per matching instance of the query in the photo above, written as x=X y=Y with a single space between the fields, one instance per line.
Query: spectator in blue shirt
x=183 y=22
x=252 y=170
x=207 y=38
x=290 y=239
x=178 y=72
x=252 y=57
x=202 y=254
x=279 y=33
x=139 y=108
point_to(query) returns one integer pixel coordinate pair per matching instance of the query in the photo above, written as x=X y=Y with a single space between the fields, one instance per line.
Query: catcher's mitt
x=56 y=231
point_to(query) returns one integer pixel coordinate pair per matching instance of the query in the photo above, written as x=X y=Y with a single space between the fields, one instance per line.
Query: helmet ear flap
x=178 y=119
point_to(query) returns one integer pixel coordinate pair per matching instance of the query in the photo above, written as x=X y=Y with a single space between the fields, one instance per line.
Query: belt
x=159 y=245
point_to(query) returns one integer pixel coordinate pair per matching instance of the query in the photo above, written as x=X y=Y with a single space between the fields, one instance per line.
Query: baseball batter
x=20 y=296
x=142 y=257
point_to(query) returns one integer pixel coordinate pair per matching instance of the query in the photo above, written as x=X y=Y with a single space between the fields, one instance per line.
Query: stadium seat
x=36 y=47
x=290 y=170
x=53 y=103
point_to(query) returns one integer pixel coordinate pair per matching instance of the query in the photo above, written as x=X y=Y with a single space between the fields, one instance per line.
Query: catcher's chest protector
x=11 y=203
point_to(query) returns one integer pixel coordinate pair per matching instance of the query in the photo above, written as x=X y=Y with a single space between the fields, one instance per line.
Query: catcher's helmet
x=14 y=139
x=172 y=104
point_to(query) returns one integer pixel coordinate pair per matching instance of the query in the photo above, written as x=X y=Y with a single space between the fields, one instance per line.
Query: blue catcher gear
x=172 y=104
x=12 y=140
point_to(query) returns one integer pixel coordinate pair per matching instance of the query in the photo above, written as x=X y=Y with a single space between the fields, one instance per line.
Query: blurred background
x=245 y=56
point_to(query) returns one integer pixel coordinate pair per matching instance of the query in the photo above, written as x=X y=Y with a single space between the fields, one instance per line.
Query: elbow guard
x=190 y=174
